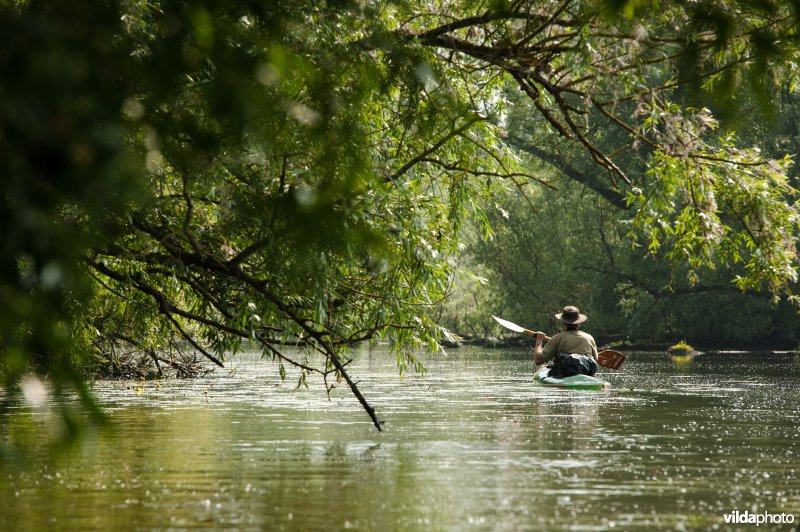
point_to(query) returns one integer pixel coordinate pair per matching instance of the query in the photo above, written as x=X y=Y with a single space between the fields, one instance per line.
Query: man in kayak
x=572 y=351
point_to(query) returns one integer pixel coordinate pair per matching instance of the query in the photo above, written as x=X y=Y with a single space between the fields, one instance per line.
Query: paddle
x=608 y=359
x=611 y=359
x=514 y=327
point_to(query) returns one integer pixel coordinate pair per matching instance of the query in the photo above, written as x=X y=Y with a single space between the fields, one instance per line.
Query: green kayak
x=576 y=382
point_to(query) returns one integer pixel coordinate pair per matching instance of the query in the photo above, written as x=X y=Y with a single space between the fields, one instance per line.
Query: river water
x=472 y=445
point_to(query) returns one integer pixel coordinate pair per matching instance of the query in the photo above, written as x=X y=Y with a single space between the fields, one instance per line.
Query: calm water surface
x=473 y=445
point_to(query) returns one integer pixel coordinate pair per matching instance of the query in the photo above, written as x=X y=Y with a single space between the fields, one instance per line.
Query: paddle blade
x=508 y=325
x=611 y=359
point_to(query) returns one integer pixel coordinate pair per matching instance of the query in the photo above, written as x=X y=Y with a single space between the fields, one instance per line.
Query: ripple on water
x=475 y=444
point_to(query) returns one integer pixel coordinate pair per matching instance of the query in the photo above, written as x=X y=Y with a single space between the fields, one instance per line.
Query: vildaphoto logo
x=763 y=518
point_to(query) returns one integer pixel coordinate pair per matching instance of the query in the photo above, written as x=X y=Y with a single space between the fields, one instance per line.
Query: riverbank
x=527 y=342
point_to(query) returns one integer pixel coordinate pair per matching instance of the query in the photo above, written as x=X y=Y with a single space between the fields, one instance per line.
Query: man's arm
x=537 y=349
x=593 y=347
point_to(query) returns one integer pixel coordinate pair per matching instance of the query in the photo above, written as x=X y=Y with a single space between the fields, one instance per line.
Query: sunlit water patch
x=474 y=444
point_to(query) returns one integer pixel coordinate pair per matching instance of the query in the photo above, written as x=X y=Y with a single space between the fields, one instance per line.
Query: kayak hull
x=576 y=382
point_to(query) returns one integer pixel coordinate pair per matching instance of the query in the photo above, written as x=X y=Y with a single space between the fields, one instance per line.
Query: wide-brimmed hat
x=571 y=315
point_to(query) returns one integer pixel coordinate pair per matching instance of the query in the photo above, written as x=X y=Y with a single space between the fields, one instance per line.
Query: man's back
x=570 y=342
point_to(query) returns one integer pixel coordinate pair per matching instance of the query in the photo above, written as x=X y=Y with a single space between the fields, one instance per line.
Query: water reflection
x=475 y=444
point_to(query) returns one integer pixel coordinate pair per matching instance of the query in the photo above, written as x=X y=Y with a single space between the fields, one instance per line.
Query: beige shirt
x=570 y=342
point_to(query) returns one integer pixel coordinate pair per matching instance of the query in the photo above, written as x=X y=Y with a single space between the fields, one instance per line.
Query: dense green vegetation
x=554 y=247
x=181 y=179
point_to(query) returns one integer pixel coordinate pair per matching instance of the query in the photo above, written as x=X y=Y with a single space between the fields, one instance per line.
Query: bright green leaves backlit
x=203 y=28
x=305 y=188
x=711 y=204
x=704 y=200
